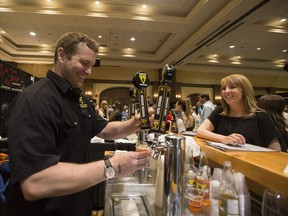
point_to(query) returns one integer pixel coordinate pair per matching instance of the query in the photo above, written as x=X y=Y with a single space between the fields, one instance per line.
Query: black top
x=50 y=122
x=258 y=130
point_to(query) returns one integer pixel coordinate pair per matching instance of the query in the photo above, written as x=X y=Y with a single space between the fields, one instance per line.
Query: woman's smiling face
x=231 y=93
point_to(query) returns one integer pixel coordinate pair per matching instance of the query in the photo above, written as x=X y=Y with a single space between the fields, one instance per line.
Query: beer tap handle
x=163 y=100
x=141 y=81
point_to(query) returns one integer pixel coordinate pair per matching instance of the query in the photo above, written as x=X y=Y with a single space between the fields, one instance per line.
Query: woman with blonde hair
x=103 y=110
x=238 y=120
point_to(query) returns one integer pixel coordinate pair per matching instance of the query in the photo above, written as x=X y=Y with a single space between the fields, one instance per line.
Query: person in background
x=274 y=105
x=110 y=110
x=207 y=107
x=125 y=113
x=238 y=120
x=103 y=110
x=116 y=115
x=196 y=116
x=49 y=131
x=183 y=106
x=168 y=120
x=286 y=114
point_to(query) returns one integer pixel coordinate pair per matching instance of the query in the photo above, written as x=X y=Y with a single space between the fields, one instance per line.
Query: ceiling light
x=144 y=6
x=32 y=33
x=97 y=15
x=236 y=62
x=128 y=55
x=48 y=12
x=285 y=50
x=99 y=36
x=283 y=20
x=97 y=2
x=277 y=30
x=258 y=48
x=132 y=39
x=213 y=61
x=2 y=9
x=232 y=46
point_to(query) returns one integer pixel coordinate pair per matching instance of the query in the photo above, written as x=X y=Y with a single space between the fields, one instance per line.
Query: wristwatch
x=109 y=171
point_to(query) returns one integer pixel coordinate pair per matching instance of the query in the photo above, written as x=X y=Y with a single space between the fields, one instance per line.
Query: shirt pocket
x=70 y=126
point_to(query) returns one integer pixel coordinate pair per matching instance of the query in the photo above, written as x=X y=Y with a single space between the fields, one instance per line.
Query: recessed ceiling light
x=232 y=46
x=99 y=36
x=285 y=50
x=236 y=62
x=32 y=33
x=132 y=39
x=258 y=48
x=144 y=6
x=213 y=61
x=2 y=9
x=97 y=2
x=283 y=20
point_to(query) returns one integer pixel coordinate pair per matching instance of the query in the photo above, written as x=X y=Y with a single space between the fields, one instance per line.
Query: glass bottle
x=203 y=161
x=203 y=178
x=190 y=170
x=227 y=194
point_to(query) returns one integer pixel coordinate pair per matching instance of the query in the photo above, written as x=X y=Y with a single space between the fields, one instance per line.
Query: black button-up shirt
x=50 y=122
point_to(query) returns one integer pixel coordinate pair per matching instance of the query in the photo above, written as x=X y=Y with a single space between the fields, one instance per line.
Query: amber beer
x=204 y=184
x=142 y=146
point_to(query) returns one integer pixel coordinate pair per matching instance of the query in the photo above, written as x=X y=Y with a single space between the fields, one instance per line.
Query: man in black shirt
x=49 y=134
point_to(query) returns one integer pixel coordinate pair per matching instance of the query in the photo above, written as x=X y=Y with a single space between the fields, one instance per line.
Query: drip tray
x=130 y=205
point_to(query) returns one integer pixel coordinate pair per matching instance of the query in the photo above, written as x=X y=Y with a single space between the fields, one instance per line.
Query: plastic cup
x=195 y=197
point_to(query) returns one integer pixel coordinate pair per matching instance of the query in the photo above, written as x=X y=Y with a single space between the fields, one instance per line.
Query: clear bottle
x=203 y=182
x=228 y=196
x=190 y=169
x=203 y=161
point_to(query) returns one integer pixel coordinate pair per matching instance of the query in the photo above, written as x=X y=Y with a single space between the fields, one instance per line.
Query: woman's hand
x=233 y=139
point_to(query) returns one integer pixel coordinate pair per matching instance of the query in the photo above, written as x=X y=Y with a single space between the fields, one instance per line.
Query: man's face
x=201 y=100
x=78 y=67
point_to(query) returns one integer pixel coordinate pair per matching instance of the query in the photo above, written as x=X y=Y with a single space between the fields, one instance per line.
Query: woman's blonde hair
x=241 y=82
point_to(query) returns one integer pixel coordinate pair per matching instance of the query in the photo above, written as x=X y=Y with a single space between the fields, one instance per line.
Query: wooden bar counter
x=262 y=169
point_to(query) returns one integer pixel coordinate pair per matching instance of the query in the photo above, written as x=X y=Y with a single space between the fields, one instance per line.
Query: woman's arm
x=205 y=132
x=275 y=145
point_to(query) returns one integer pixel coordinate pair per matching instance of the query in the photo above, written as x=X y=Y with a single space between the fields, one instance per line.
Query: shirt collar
x=61 y=83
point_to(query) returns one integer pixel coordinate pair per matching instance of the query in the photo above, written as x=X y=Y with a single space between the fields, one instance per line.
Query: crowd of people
x=239 y=119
